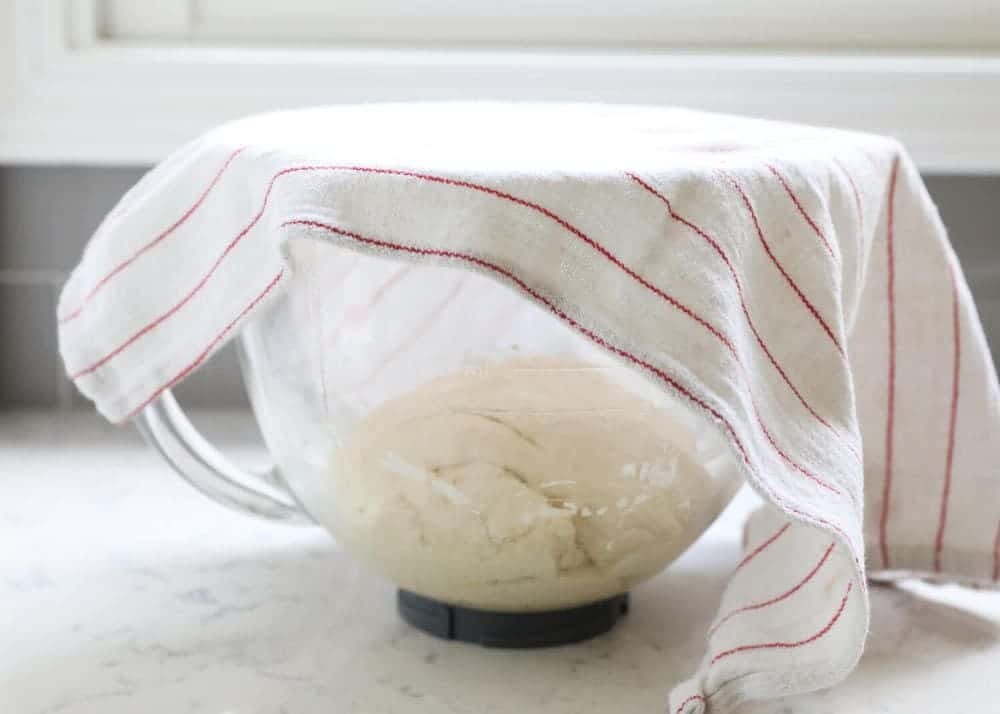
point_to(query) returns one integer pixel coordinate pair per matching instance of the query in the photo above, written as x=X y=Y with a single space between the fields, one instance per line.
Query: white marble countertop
x=124 y=590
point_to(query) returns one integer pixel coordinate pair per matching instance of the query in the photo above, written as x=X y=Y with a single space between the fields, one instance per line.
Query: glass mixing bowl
x=458 y=438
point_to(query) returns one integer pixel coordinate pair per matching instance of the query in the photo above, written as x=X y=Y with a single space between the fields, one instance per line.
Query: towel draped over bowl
x=793 y=285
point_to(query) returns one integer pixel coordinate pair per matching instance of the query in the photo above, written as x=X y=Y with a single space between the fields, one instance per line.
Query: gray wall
x=47 y=215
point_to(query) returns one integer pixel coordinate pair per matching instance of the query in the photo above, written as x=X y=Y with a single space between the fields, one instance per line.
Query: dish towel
x=793 y=285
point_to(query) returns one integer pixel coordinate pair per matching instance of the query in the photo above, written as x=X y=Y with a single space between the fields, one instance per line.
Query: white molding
x=860 y=24
x=80 y=100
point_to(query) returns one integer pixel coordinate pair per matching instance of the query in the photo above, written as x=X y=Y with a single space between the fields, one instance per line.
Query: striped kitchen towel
x=793 y=285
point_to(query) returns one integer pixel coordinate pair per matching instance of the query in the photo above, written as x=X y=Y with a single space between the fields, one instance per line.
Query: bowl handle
x=165 y=426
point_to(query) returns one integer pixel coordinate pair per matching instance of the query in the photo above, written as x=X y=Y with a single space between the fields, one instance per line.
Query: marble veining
x=123 y=590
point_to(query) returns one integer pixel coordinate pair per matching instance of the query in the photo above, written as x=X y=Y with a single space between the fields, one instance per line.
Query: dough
x=533 y=484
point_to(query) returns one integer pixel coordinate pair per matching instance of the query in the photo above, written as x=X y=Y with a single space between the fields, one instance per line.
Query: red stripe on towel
x=434 y=179
x=144 y=249
x=790 y=645
x=746 y=311
x=802 y=210
x=787 y=459
x=883 y=524
x=950 y=458
x=773 y=601
x=762 y=547
x=692 y=698
x=149 y=327
x=562 y=222
x=211 y=345
x=424 y=177
x=781 y=269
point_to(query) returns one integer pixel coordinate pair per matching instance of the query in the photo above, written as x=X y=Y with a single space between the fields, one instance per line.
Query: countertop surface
x=124 y=590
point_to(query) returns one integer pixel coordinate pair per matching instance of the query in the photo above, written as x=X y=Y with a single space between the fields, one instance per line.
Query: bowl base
x=513 y=630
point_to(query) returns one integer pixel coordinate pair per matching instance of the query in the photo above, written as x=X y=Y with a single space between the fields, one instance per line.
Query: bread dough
x=528 y=485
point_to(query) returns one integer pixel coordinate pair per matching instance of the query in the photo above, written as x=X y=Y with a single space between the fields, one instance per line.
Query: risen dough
x=528 y=485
